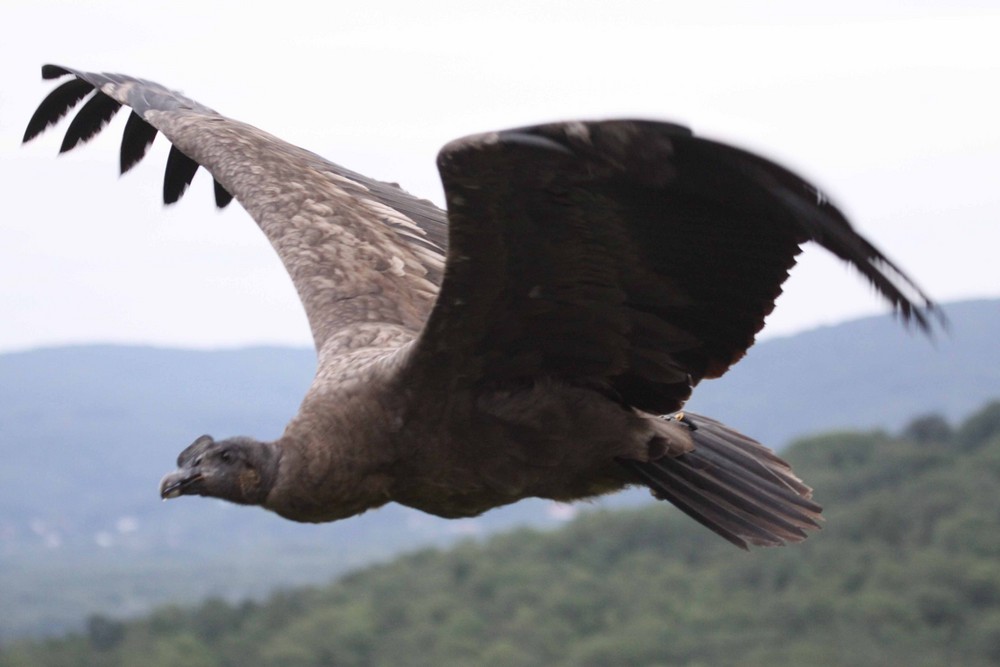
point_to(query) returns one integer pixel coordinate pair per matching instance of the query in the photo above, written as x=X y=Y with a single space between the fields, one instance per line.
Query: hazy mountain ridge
x=86 y=433
x=865 y=373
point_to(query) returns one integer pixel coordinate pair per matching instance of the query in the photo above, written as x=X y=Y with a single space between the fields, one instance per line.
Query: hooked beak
x=179 y=483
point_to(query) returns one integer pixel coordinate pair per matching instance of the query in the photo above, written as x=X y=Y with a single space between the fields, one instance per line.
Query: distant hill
x=87 y=432
x=866 y=373
x=904 y=573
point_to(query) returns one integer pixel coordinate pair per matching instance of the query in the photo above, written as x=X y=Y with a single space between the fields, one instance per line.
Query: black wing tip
x=137 y=137
x=928 y=318
x=222 y=196
x=909 y=302
x=56 y=105
x=179 y=172
x=94 y=116
x=823 y=222
x=31 y=131
x=90 y=120
x=50 y=71
x=937 y=313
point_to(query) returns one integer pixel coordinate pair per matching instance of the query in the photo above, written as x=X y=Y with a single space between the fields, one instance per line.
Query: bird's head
x=240 y=470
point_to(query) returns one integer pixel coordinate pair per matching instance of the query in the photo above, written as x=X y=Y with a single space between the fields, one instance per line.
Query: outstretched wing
x=365 y=256
x=628 y=255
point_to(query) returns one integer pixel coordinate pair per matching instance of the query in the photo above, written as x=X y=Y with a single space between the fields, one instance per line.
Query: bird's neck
x=332 y=465
x=338 y=454
x=256 y=487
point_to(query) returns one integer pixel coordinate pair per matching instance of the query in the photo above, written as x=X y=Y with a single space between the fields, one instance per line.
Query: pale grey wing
x=627 y=255
x=365 y=256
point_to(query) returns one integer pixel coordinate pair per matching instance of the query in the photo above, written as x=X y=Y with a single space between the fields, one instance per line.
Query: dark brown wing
x=365 y=257
x=630 y=254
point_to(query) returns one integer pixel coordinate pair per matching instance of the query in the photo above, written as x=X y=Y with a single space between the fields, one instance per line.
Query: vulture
x=537 y=339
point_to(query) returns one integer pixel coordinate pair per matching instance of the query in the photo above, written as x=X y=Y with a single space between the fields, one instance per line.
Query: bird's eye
x=197 y=461
x=226 y=456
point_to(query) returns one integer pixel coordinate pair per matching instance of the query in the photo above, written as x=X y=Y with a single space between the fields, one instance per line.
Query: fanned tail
x=733 y=485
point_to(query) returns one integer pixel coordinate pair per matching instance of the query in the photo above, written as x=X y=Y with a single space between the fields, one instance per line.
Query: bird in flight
x=537 y=339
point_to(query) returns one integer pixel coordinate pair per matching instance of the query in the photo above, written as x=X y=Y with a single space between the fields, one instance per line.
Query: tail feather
x=733 y=485
x=716 y=518
x=717 y=438
x=714 y=485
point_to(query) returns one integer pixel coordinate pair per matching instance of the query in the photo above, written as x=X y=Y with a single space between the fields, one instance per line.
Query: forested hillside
x=904 y=573
x=87 y=432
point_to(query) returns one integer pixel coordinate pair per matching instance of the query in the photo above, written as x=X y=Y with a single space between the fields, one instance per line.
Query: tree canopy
x=904 y=572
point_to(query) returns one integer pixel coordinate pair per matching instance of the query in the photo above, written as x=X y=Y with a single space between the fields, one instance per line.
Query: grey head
x=240 y=470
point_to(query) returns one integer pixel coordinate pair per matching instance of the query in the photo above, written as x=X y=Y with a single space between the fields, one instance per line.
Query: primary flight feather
x=527 y=343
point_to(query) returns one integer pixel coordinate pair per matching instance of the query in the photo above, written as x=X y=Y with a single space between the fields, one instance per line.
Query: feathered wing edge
x=95 y=114
x=266 y=175
x=144 y=96
x=733 y=485
x=825 y=224
x=701 y=163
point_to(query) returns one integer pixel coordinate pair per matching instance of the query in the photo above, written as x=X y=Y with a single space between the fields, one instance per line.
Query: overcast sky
x=893 y=111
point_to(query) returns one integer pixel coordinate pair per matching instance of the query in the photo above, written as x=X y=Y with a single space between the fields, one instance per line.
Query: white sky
x=892 y=108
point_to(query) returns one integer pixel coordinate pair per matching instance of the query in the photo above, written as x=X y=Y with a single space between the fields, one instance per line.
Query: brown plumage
x=586 y=277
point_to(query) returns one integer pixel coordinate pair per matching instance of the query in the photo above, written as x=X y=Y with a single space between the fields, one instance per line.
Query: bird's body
x=584 y=279
x=453 y=459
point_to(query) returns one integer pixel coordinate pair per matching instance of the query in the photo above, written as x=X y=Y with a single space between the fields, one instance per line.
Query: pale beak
x=179 y=483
